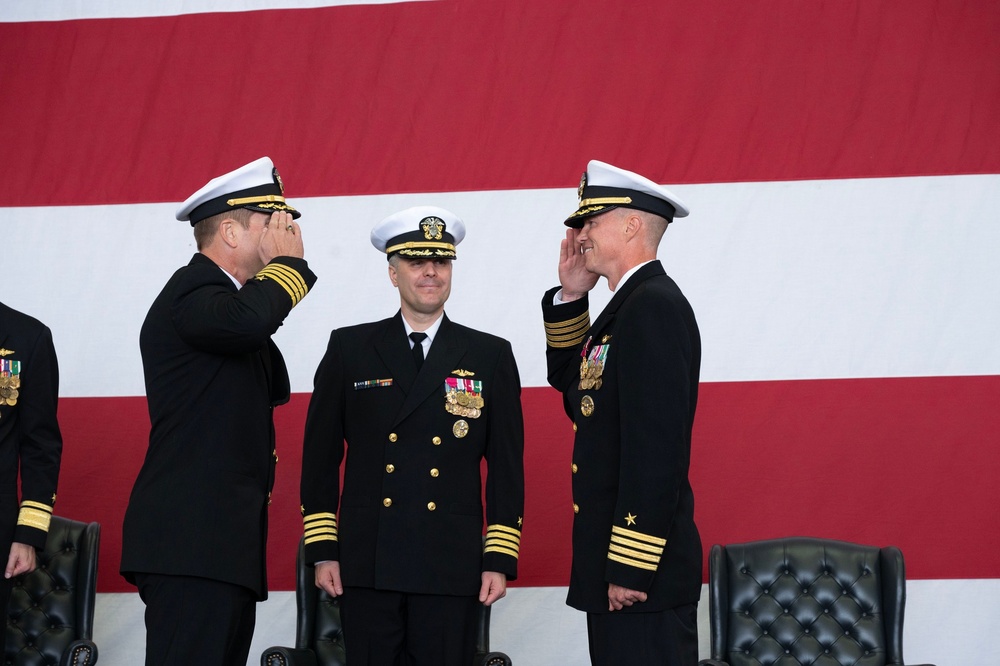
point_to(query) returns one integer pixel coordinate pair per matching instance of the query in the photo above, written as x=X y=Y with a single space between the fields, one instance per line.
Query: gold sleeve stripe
x=632 y=563
x=287 y=278
x=574 y=335
x=504 y=528
x=638 y=545
x=563 y=345
x=638 y=536
x=319 y=516
x=293 y=276
x=503 y=543
x=634 y=554
x=503 y=551
x=569 y=322
x=322 y=537
x=288 y=284
x=36 y=505
x=31 y=517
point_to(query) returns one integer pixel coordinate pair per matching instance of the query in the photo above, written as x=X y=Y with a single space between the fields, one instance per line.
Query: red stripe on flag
x=908 y=462
x=450 y=96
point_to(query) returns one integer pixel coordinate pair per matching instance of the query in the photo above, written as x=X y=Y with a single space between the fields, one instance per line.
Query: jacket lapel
x=446 y=351
x=394 y=350
x=651 y=269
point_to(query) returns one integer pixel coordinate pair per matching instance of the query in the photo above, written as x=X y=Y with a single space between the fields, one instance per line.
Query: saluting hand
x=281 y=238
x=574 y=277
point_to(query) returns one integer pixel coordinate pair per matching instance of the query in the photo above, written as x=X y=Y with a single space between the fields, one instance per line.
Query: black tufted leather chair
x=319 y=638
x=804 y=601
x=50 y=617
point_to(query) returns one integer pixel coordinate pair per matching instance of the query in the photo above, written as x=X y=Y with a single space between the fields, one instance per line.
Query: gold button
x=431 y=506
x=576 y=508
x=434 y=472
x=574 y=427
x=575 y=468
x=390 y=468
x=387 y=502
x=392 y=437
x=436 y=441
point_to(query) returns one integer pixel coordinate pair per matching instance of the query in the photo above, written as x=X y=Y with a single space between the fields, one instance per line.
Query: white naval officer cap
x=604 y=187
x=421 y=232
x=256 y=186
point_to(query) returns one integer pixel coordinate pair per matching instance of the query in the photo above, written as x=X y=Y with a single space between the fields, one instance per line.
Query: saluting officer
x=195 y=528
x=419 y=402
x=30 y=441
x=630 y=386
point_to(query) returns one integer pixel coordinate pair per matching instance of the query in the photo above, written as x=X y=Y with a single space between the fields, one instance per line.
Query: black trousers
x=384 y=628
x=664 y=638
x=192 y=620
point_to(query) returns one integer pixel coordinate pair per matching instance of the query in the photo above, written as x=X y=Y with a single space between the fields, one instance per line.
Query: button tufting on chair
x=808 y=601
x=50 y=616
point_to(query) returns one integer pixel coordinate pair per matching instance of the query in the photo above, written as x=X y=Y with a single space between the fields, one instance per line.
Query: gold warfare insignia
x=277 y=179
x=587 y=405
x=433 y=227
x=460 y=429
x=6 y=352
x=583 y=184
x=463 y=373
x=605 y=338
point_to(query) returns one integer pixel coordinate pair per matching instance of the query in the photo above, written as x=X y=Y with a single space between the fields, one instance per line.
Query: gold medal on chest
x=587 y=405
x=460 y=429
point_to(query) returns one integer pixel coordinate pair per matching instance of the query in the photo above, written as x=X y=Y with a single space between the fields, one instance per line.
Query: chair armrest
x=491 y=659
x=80 y=652
x=283 y=656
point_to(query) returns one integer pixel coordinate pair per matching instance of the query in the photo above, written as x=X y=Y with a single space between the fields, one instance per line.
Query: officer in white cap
x=194 y=532
x=630 y=387
x=420 y=401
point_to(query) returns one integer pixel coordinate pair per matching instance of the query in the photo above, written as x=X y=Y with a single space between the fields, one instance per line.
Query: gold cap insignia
x=432 y=226
x=277 y=179
x=583 y=184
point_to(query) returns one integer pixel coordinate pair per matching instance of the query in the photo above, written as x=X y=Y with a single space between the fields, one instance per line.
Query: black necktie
x=418 y=348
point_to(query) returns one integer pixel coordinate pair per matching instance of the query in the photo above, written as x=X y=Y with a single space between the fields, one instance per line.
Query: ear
x=632 y=226
x=227 y=231
x=393 y=277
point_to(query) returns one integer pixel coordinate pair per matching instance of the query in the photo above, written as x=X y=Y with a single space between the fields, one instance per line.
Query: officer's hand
x=619 y=597
x=21 y=560
x=328 y=578
x=281 y=238
x=574 y=277
x=494 y=587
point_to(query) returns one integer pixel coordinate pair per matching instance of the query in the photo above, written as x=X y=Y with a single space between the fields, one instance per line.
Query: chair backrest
x=317 y=617
x=807 y=601
x=53 y=606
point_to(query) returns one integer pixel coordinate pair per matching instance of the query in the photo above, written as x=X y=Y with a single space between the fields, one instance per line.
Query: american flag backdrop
x=841 y=161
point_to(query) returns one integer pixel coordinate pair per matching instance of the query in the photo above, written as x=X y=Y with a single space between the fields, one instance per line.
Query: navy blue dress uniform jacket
x=634 y=509
x=410 y=515
x=29 y=432
x=213 y=377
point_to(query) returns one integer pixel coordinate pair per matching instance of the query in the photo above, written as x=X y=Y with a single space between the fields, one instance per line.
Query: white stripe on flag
x=790 y=280
x=17 y=11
